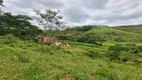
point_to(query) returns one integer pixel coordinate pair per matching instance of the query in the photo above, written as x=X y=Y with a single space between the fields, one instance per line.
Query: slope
x=31 y=61
x=110 y=34
x=135 y=29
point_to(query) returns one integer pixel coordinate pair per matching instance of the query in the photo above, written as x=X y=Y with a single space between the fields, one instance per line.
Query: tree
x=1 y=1
x=50 y=19
x=19 y=26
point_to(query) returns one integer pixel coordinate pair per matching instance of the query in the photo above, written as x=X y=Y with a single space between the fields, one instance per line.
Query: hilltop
x=133 y=28
x=94 y=34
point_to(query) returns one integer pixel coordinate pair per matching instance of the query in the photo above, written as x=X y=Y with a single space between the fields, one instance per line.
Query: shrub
x=131 y=48
x=9 y=39
x=90 y=38
x=123 y=52
x=119 y=39
x=83 y=28
x=140 y=48
x=93 y=53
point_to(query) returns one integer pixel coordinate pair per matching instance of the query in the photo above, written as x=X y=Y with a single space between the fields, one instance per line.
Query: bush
x=93 y=53
x=123 y=52
x=9 y=39
x=89 y=38
x=83 y=28
x=131 y=48
x=64 y=37
x=119 y=39
x=140 y=48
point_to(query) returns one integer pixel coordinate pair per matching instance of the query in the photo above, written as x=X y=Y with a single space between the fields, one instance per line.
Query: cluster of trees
x=20 y=26
x=120 y=53
x=1 y=1
x=83 y=28
x=80 y=34
x=124 y=52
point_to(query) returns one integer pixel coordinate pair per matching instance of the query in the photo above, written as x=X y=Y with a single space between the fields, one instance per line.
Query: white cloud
x=81 y=12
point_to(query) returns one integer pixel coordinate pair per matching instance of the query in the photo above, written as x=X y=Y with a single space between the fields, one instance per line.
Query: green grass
x=31 y=61
x=135 y=29
x=112 y=43
x=111 y=34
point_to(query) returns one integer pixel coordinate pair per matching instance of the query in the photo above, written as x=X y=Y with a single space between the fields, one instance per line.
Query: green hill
x=97 y=34
x=135 y=29
x=115 y=35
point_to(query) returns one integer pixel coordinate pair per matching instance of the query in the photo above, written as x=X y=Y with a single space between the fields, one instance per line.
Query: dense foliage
x=19 y=26
x=83 y=28
x=50 y=20
x=124 y=52
x=1 y=1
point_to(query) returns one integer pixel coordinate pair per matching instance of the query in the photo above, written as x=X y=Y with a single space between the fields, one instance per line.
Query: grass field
x=31 y=61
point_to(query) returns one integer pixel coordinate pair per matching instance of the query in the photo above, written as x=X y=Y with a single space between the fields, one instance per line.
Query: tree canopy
x=18 y=25
x=1 y=1
x=50 y=20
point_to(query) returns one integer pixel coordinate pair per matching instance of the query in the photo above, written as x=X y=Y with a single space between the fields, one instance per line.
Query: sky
x=84 y=12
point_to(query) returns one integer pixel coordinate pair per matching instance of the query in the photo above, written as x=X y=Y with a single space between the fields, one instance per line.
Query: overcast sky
x=84 y=12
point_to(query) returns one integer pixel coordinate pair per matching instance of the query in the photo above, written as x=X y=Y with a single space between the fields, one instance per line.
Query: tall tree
x=51 y=20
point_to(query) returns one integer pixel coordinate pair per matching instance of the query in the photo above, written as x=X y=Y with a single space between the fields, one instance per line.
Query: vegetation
x=84 y=53
x=124 y=52
x=50 y=19
x=19 y=26
x=32 y=61
x=1 y=1
x=98 y=35
x=131 y=28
